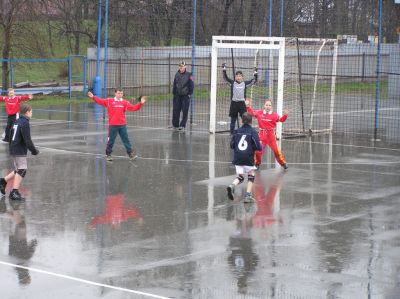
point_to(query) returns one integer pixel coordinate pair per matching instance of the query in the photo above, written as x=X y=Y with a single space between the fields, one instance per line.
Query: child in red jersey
x=116 y=108
x=267 y=120
x=12 y=108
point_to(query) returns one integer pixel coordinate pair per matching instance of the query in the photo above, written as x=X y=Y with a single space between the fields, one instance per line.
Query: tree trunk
x=6 y=55
x=224 y=25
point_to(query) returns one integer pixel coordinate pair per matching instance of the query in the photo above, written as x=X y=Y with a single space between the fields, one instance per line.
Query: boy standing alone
x=12 y=108
x=244 y=143
x=238 y=94
x=116 y=108
x=20 y=142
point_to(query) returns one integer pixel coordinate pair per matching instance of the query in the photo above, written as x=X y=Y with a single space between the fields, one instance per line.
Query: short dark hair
x=24 y=108
x=118 y=89
x=239 y=73
x=246 y=118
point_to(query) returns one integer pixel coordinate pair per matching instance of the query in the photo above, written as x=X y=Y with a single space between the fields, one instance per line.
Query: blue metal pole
x=84 y=75
x=194 y=19
x=270 y=19
x=70 y=77
x=378 y=73
x=97 y=79
x=105 y=47
x=282 y=14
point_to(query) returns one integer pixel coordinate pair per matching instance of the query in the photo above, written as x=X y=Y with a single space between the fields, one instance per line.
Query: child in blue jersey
x=244 y=143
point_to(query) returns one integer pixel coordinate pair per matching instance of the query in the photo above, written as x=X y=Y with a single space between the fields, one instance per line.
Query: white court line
x=137 y=128
x=347 y=145
x=217 y=162
x=83 y=280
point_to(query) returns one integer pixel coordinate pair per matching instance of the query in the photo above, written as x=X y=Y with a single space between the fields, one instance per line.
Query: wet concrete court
x=162 y=227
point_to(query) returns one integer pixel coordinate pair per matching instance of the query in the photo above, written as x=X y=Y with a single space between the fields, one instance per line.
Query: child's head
x=246 y=118
x=268 y=105
x=10 y=92
x=239 y=76
x=118 y=93
x=26 y=110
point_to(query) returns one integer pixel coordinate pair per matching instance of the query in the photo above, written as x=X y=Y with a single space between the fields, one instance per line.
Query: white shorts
x=244 y=169
x=20 y=162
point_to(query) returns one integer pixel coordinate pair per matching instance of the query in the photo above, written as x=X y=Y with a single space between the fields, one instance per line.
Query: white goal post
x=241 y=42
x=296 y=73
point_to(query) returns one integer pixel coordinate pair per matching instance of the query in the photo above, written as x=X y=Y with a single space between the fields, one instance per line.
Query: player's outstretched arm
x=142 y=99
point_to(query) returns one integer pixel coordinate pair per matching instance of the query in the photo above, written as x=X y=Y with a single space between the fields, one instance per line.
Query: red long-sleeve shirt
x=266 y=121
x=12 y=103
x=116 y=109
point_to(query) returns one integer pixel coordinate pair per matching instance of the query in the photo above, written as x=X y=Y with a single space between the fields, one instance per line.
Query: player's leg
x=233 y=113
x=112 y=134
x=21 y=167
x=259 y=154
x=277 y=152
x=10 y=122
x=3 y=181
x=250 y=181
x=123 y=133
x=238 y=180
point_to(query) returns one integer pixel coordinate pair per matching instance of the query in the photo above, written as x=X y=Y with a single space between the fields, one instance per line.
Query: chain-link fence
x=309 y=91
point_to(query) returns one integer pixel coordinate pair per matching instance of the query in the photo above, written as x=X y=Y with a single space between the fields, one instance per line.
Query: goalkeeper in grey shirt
x=238 y=94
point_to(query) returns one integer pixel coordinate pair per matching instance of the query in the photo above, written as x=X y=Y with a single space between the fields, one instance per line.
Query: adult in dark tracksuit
x=238 y=94
x=182 y=90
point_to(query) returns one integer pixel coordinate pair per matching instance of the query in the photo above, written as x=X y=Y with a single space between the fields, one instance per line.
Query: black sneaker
x=15 y=195
x=3 y=184
x=285 y=166
x=248 y=198
x=231 y=190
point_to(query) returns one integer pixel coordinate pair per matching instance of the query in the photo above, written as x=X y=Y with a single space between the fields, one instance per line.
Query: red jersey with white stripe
x=116 y=109
x=12 y=103
x=266 y=121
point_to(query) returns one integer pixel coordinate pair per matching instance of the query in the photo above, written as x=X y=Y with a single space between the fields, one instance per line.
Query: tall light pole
x=97 y=79
x=378 y=72
x=105 y=47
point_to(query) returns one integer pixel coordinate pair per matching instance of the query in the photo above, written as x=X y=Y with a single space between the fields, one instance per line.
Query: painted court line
x=218 y=162
x=83 y=280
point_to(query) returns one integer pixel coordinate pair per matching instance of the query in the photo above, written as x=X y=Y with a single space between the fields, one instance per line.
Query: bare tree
x=10 y=11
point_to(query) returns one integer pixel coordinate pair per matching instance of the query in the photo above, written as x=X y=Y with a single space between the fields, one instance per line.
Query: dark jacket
x=21 y=138
x=183 y=84
x=244 y=143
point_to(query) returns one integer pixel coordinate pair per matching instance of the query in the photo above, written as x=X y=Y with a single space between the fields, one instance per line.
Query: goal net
x=297 y=74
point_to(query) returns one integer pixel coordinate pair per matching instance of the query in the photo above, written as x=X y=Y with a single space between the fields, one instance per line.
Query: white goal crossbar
x=244 y=42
